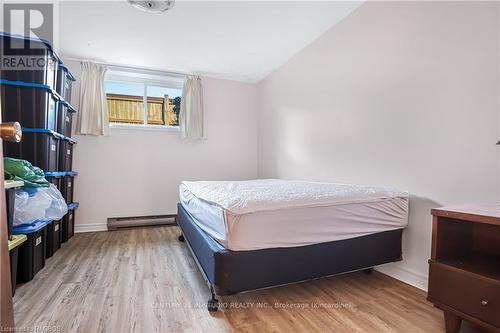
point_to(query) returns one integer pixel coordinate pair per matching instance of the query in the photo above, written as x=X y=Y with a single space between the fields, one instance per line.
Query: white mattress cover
x=269 y=213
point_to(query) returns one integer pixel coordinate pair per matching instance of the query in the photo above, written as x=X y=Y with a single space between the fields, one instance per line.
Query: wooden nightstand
x=464 y=269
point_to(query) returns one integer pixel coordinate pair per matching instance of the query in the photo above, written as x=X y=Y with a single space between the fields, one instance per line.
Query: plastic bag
x=34 y=204
x=28 y=209
x=58 y=207
x=32 y=176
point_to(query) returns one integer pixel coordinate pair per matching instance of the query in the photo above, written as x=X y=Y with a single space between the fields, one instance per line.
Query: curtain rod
x=134 y=68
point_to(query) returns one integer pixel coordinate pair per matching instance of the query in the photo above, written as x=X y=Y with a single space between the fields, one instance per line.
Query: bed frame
x=229 y=272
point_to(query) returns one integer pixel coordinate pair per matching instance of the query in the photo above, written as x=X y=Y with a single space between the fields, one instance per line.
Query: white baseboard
x=409 y=276
x=91 y=227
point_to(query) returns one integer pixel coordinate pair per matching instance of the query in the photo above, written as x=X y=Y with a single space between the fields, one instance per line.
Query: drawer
x=473 y=295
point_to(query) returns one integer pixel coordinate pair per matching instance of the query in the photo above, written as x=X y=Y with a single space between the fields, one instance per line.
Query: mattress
x=272 y=213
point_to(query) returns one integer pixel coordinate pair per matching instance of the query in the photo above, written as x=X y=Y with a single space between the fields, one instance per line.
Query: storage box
x=14 y=244
x=68 y=225
x=65 y=181
x=32 y=105
x=39 y=146
x=68 y=187
x=56 y=180
x=16 y=50
x=65 y=118
x=54 y=237
x=10 y=196
x=66 y=154
x=64 y=82
x=32 y=252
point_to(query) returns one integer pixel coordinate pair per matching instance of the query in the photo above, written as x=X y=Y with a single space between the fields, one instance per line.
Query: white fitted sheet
x=270 y=213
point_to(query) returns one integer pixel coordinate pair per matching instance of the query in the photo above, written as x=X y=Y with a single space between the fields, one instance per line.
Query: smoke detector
x=153 y=6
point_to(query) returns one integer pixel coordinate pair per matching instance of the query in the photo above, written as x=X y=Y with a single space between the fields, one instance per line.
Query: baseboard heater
x=115 y=223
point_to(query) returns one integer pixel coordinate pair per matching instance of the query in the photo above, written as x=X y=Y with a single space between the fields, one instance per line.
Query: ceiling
x=235 y=40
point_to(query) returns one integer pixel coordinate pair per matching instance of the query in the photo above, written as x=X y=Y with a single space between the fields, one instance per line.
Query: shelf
x=16 y=241
x=8 y=184
x=481 y=264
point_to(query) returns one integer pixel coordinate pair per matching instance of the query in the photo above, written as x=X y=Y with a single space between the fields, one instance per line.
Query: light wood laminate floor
x=144 y=280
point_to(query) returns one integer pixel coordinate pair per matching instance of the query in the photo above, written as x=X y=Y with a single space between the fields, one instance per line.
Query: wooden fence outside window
x=129 y=109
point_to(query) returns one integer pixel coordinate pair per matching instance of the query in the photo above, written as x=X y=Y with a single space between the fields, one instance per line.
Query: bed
x=247 y=235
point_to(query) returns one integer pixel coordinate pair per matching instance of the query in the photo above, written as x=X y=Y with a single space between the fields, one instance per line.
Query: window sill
x=144 y=127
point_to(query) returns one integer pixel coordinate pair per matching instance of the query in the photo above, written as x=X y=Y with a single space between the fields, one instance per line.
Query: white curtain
x=93 y=108
x=191 y=114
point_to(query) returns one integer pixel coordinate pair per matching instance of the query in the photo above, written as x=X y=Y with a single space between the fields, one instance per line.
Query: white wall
x=137 y=172
x=236 y=40
x=400 y=94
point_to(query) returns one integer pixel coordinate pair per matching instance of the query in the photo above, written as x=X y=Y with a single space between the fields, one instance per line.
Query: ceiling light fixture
x=153 y=6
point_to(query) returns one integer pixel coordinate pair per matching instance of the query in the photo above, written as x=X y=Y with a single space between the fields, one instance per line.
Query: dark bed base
x=229 y=272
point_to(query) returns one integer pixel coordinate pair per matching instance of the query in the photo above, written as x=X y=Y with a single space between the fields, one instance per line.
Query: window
x=143 y=99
